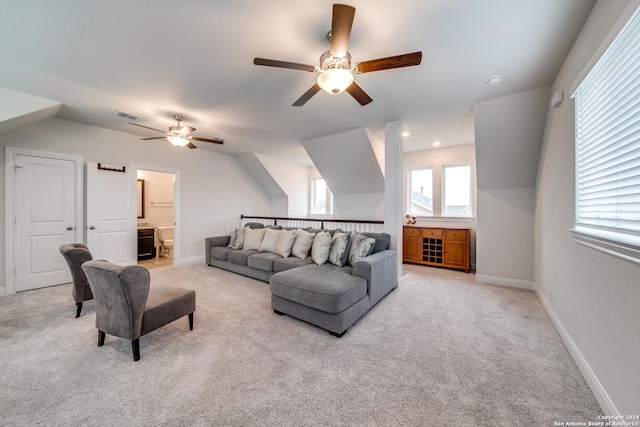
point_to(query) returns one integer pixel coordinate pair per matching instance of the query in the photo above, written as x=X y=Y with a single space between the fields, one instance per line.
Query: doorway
x=157 y=216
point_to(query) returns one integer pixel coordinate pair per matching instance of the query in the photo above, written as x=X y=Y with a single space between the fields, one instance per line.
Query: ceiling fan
x=180 y=136
x=336 y=72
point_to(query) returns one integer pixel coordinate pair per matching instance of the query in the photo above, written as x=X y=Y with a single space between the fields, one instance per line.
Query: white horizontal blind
x=608 y=138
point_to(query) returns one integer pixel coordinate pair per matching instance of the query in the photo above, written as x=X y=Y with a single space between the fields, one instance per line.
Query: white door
x=110 y=214
x=45 y=218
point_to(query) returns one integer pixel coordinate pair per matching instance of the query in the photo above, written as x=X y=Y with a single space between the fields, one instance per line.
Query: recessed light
x=436 y=143
x=494 y=80
x=406 y=133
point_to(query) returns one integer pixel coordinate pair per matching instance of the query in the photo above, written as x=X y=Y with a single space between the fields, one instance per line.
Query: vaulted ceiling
x=156 y=58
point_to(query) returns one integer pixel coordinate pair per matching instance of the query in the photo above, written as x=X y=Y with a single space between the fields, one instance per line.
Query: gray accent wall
x=509 y=132
x=592 y=297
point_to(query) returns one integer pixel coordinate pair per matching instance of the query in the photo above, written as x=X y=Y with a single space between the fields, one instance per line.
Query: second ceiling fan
x=180 y=136
x=337 y=74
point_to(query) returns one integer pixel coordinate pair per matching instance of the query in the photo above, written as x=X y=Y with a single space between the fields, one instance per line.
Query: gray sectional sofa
x=326 y=295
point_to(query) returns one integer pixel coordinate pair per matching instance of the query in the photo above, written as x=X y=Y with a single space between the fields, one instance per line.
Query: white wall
x=437 y=158
x=216 y=188
x=294 y=179
x=593 y=297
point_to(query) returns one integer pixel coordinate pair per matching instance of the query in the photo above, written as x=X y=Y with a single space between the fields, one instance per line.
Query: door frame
x=10 y=155
x=176 y=202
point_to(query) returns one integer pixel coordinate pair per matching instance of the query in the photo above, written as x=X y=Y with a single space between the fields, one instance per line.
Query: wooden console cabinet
x=439 y=247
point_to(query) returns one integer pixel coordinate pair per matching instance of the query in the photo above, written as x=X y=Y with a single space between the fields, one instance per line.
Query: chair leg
x=100 y=338
x=135 y=345
x=191 y=321
x=78 y=309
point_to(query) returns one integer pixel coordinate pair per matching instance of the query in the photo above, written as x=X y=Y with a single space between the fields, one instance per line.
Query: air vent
x=129 y=116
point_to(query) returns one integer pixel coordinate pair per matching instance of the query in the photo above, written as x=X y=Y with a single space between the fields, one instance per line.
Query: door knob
x=69 y=228
x=92 y=228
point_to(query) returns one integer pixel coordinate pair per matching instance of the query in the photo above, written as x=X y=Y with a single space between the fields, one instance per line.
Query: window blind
x=608 y=138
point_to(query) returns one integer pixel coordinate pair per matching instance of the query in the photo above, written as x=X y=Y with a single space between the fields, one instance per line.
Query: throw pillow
x=269 y=240
x=253 y=238
x=321 y=247
x=285 y=242
x=302 y=244
x=339 y=249
x=361 y=247
x=236 y=238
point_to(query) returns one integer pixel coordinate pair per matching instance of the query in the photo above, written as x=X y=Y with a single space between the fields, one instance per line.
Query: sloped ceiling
x=195 y=57
x=20 y=109
x=509 y=133
x=347 y=162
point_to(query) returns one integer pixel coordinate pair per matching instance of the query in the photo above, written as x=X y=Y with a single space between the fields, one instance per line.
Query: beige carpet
x=440 y=350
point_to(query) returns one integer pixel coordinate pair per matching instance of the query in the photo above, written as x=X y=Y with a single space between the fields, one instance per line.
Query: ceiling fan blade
x=214 y=140
x=307 y=95
x=283 y=64
x=359 y=94
x=157 y=137
x=398 y=61
x=341 y=23
x=147 y=127
x=190 y=145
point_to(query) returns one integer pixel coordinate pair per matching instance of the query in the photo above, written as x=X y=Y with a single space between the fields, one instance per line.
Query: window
x=420 y=191
x=457 y=190
x=608 y=148
x=321 y=198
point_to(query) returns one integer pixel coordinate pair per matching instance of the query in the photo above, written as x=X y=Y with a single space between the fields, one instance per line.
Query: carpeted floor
x=439 y=350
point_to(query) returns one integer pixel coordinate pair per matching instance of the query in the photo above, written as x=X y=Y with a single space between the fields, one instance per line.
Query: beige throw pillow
x=302 y=244
x=253 y=238
x=269 y=240
x=321 y=247
x=285 y=243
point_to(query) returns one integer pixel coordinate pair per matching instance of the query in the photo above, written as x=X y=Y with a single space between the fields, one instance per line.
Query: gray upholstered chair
x=128 y=307
x=75 y=254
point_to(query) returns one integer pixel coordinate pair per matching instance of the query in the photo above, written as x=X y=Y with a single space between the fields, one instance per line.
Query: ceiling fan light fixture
x=178 y=141
x=335 y=80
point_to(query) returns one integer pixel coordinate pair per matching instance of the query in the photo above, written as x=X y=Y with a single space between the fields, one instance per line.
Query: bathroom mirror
x=141 y=198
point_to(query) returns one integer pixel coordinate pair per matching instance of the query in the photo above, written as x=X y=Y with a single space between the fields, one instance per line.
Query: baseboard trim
x=191 y=260
x=504 y=281
x=596 y=387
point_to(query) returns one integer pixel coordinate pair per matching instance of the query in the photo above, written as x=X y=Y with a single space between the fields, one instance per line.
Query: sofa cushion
x=302 y=244
x=325 y=289
x=253 y=238
x=239 y=256
x=383 y=240
x=283 y=264
x=221 y=252
x=285 y=243
x=262 y=260
x=339 y=253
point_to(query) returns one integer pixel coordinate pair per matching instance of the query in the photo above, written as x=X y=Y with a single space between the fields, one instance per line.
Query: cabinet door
x=412 y=249
x=455 y=253
x=457 y=248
